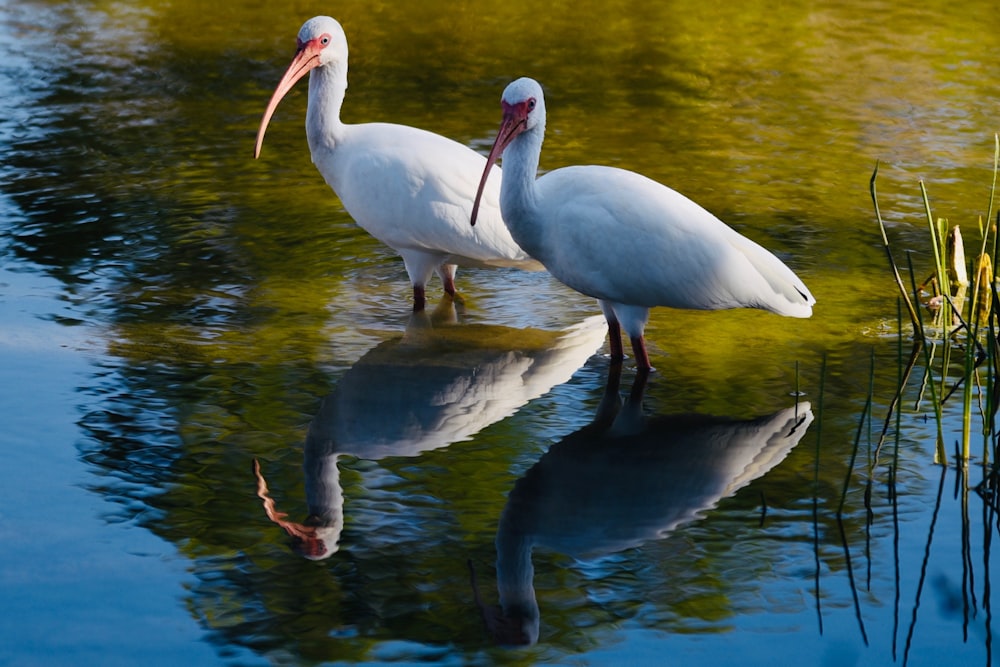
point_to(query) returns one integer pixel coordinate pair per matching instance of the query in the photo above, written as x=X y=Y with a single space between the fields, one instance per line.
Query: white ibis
x=624 y=239
x=409 y=188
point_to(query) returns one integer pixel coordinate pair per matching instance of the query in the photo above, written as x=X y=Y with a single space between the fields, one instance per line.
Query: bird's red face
x=515 y=121
x=307 y=57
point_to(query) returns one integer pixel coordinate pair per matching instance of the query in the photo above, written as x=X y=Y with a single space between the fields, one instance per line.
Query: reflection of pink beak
x=303 y=537
x=504 y=630
x=306 y=58
x=515 y=121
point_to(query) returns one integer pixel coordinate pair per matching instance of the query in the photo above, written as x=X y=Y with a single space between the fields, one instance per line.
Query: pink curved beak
x=515 y=117
x=306 y=58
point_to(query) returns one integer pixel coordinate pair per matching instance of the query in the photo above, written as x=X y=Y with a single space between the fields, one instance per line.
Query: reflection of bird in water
x=621 y=481
x=409 y=188
x=447 y=384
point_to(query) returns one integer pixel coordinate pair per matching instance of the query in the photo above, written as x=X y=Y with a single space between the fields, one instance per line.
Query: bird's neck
x=518 y=194
x=323 y=491
x=515 y=575
x=327 y=86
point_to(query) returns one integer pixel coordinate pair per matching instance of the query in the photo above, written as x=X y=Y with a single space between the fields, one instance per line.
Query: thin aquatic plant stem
x=993 y=185
x=940 y=270
x=819 y=439
x=987 y=585
x=924 y=564
x=969 y=369
x=977 y=287
x=917 y=329
x=941 y=455
x=892 y=491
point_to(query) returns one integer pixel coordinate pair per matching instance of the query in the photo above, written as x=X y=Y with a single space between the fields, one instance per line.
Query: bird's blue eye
x=531 y=104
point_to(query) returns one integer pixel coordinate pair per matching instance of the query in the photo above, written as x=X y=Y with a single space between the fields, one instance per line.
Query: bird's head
x=321 y=41
x=523 y=110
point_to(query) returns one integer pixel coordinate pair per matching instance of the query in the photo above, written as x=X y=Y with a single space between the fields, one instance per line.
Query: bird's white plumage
x=413 y=191
x=407 y=187
x=667 y=250
x=626 y=240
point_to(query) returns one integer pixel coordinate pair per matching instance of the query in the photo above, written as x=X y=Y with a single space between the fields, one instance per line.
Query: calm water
x=173 y=310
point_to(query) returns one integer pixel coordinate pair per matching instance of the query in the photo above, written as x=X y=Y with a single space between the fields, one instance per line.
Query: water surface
x=173 y=310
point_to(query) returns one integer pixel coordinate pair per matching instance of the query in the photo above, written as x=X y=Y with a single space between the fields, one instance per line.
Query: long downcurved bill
x=514 y=122
x=306 y=58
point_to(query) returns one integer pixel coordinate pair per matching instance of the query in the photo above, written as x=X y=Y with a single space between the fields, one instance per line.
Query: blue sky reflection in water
x=172 y=310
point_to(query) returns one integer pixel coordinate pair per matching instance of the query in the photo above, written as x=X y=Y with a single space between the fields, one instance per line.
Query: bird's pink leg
x=447 y=273
x=615 y=340
x=419 y=300
x=641 y=357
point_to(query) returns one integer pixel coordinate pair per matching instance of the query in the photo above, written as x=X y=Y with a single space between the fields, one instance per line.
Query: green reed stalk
x=945 y=355
x=989 y=418
x=993 y=186
x=935 y=235
x=941 y=455
x=901 y=376
x=917 y=329
x=969 y=374
x=953 y=300
x=973 y=323
x=984 y=230
x=970 y=370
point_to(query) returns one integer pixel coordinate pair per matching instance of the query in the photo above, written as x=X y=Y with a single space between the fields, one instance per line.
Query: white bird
x=624 y=239
x=409 y=188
